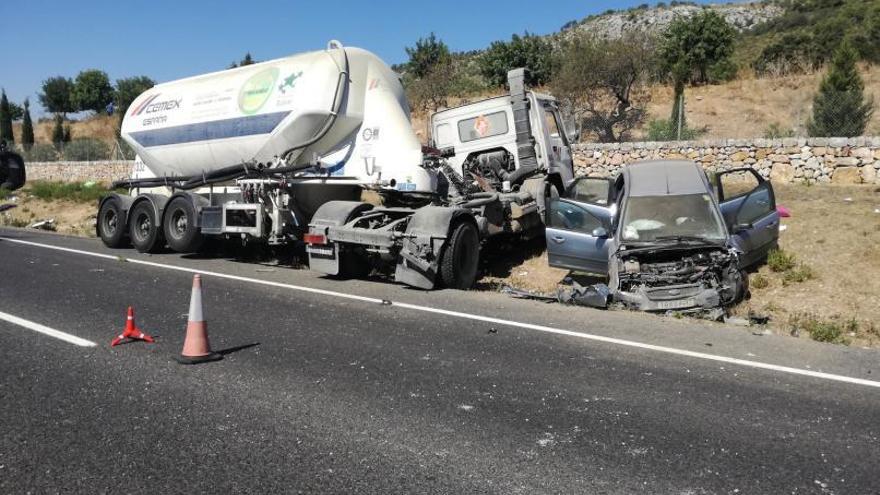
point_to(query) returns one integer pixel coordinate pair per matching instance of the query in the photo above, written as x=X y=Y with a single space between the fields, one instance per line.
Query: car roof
x=665 y=178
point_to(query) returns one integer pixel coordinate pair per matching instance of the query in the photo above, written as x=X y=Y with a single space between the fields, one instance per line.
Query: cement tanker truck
x=282 y=151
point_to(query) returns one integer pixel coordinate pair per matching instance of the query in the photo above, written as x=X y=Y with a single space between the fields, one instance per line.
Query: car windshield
x=650 y=218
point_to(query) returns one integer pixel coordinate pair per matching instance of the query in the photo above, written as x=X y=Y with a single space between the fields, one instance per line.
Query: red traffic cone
x=131 y=331
x=196 y=348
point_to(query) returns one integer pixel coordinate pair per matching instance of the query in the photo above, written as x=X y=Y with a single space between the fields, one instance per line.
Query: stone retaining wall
x=810 y=160
x=104 y=171
x=799 y=160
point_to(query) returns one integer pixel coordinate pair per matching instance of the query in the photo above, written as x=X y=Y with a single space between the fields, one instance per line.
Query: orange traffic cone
x=196 y=348
x=131 y=331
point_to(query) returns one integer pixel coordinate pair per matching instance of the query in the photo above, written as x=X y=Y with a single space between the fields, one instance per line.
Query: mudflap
x=419 y=258
x=325 y=258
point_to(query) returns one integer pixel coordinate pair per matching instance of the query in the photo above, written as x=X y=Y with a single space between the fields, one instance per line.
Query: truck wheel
x=180 y=228
x=111 y=224
x=460 y=259
x=144 y=229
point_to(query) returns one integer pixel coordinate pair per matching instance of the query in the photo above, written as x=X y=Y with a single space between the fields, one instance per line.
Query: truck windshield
x=649 y=218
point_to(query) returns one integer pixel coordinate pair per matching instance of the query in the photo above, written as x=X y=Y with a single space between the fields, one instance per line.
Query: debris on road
x=594 y=296
x=48 y=224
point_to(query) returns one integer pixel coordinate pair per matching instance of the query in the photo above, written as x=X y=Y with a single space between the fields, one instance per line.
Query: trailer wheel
x=111 y=224
x=460 y=259
x=179 y=226
x=144 y=229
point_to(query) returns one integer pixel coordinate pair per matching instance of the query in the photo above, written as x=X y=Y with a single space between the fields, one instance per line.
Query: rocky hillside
x=615 y=24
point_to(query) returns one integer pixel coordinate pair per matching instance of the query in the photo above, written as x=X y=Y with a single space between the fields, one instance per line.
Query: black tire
x=461 y=257
x=144 y=229
x=179 y=226
x=111 y=224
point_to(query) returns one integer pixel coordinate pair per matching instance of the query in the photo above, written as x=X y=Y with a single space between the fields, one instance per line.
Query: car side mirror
x=600 y=232
x=742 y=227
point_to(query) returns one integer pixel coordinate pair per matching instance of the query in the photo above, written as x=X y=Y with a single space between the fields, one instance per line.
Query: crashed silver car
x=666 y=237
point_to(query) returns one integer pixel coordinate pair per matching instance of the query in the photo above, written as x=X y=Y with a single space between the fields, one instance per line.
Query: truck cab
x=488 y=126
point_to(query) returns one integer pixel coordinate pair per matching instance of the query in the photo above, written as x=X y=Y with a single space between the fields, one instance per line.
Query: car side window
x=570 y=216
x=758 y=204
x=590 y=190
x=737 y=183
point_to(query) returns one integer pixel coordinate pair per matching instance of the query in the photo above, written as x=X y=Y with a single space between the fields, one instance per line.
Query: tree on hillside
x=840 y=107
x=27 y=127
x=5 y=119
x=56 y=95
x=247 y=60
x=529 y=51
x=58 y=130
x=604 y=82
x=16 y=112
x=426 y=56
x=92 y=91
x=128 y=89
x=698 y=48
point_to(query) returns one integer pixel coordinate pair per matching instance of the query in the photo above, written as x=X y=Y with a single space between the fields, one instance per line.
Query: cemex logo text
x=150 y=105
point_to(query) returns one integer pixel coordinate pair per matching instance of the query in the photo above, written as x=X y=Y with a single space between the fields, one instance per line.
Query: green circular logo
x=256 y=90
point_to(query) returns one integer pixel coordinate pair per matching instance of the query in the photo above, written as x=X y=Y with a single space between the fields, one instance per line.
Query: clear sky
x=167 y=40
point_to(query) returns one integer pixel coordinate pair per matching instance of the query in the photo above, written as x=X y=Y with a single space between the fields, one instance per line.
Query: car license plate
x=677 y=304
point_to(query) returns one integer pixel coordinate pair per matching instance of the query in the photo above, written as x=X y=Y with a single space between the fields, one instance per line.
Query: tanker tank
x=281 y=112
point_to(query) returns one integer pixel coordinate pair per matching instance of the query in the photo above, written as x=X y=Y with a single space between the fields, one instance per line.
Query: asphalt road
x=323 y=393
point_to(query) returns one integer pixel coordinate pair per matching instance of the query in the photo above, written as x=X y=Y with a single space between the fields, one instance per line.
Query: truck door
x=748 y=206
x=558 y=148
x=578 y=226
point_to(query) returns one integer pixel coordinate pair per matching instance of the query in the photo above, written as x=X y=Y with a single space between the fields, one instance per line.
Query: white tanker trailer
x=281 y=151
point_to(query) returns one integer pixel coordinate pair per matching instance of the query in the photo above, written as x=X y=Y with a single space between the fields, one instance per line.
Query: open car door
x=578 y=226
x=749 y=208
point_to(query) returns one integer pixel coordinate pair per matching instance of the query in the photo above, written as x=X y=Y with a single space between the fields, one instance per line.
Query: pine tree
x=840 y=108
x=27 y=127
x=5 y=120
x=58 y=130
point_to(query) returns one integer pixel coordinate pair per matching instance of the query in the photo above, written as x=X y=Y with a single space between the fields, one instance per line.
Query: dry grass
x=102 y=127
x=834 y=234
x=746 y=107
x=71 y=217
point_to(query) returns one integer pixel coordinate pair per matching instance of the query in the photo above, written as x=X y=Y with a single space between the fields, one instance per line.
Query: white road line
x=487 y=319
x=51 y=332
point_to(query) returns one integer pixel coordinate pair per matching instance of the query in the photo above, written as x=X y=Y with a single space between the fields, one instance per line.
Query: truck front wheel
x=460 y=259
x=180 y=226
x=111 y=224
x=144 y=229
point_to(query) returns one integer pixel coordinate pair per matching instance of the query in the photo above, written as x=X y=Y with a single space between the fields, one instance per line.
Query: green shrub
x=4 y=193
x=759 y=281
x=41 y=153
x=801 y=273
x=780 y=261
x=775 y=131
x=664 y=130
x=86 y=150
x=81 y=192
x=822 y=330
